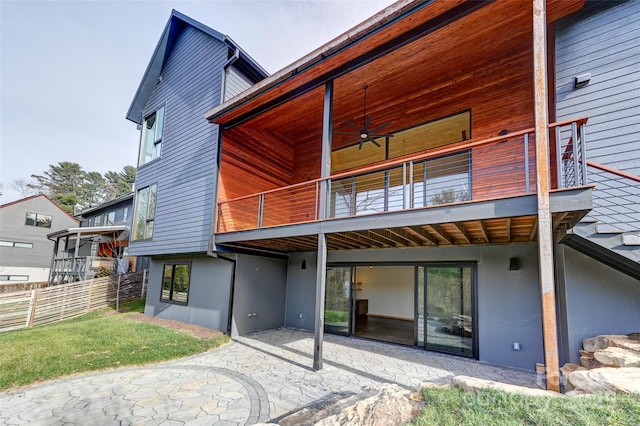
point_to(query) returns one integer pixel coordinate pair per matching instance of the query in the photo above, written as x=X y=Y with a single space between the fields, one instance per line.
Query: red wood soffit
x=368 y=36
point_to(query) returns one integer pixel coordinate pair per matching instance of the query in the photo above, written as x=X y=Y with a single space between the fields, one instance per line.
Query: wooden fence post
x=118 y=294
x=144 y=278
x=33 y=303
x=64 y=301
x=89 y=295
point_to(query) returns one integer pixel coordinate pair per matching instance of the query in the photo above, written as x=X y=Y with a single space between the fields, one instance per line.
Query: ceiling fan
x=364 y=133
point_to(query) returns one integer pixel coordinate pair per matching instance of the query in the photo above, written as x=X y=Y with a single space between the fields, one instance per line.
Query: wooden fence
x=23 y=309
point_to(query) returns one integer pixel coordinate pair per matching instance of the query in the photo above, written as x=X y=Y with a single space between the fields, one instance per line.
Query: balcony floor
x=500 y=221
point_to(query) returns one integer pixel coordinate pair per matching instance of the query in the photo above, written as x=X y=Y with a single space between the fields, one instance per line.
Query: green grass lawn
x=90 y=342
x=454 y=406
x=335 y=316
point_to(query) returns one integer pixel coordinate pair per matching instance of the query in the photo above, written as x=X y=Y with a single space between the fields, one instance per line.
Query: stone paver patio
x=255 y=378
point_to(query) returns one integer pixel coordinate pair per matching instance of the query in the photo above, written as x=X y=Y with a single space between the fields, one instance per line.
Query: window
x=95 y=245
x=125 y=214
x=441 y=180
x=14 y=277
x=145 y=213
x=15 y=244
x=151 y=140
x=175 y=283
x=38 y=219
x=110 y=218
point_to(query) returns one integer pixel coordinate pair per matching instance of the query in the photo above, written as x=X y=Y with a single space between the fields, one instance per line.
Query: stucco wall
x=260 y=291
x=599 y=300
x=209 y=292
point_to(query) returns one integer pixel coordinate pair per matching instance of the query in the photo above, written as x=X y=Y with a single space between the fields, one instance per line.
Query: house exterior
x=192 y=69
x=420 y=180
x=118 y=211
x=98 y=246
x=598 y=264
x=25 y=251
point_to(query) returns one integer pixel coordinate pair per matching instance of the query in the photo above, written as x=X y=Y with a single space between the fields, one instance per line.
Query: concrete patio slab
x=256 y=378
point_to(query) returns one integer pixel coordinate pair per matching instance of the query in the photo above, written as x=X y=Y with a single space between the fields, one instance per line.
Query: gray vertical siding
x=186 y=170
x=603 y=39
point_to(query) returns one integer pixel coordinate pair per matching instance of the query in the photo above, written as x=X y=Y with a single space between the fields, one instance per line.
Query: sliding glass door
x=444 y=312
x=337 y=304
x=427 y=305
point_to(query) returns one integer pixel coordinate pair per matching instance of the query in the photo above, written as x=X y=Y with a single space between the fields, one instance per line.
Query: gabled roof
x=22 y=200
x=176 y=24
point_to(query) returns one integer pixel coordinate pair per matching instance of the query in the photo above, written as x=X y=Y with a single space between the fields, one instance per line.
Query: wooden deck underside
x=507 y=230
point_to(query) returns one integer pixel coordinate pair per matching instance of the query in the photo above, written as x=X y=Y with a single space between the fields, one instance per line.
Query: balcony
x=474 y=192
x=72 y=269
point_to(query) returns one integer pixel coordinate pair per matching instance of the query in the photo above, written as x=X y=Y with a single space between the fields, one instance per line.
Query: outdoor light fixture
x=582 y=80
x=304 y=265
x=514 y=264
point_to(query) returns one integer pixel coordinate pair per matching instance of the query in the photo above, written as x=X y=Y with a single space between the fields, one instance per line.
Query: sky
x=69 y=69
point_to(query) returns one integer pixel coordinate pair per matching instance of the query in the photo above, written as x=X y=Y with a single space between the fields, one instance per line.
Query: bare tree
x=24 y=188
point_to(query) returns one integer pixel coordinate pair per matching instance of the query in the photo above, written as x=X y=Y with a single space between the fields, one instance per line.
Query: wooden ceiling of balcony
x=520 y=229
x=432 y=74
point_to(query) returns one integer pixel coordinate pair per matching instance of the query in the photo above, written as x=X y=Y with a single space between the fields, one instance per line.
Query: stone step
x=309 y=416
x=473 y=383
x=390 y=405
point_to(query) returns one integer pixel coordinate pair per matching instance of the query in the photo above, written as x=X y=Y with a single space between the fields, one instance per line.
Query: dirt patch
x=183 y=327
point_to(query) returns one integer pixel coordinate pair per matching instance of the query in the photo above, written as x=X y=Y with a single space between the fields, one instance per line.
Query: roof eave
x=337 y=44
x=107 y=204
x=88 y=230
x=176 y=22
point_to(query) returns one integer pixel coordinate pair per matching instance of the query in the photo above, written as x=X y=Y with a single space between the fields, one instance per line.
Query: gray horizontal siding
x=13 y=228
x=236 y=83
x=186 y=170
x=604 y=40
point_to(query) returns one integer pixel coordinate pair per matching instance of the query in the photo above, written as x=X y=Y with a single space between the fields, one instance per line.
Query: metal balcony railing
x=571 y=153
x=616 y=198
x=486 y=169
x=71 y=269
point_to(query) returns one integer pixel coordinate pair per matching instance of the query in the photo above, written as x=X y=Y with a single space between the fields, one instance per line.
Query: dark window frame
x=151 y=145
x=171 y=290
x=35 y=220
x=149 y=215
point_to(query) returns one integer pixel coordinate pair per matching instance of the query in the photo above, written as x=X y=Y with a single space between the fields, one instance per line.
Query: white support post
x=545 y=238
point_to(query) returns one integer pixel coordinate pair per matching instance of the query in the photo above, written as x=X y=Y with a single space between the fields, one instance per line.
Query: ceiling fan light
x=364 y=135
